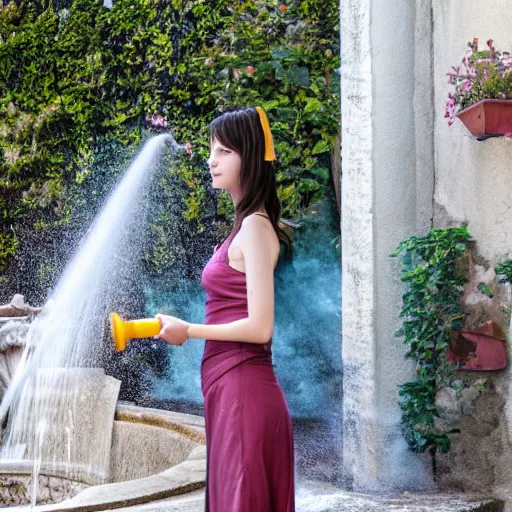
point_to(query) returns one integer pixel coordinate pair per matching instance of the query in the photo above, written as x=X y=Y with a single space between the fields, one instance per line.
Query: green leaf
x=298 y=75
x=312 y=105
x=280 y=52
x=321 y=146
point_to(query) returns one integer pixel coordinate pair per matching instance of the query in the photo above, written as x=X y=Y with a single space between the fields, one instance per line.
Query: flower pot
x=488 y=118
x=477 y=351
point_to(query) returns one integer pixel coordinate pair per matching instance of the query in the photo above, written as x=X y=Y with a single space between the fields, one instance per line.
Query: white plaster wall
x=473 y=179
x=402 y=166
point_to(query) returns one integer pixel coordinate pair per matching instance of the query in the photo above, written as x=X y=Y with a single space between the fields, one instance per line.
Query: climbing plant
x=504 y=272
x=431 y=310
x=75 y=73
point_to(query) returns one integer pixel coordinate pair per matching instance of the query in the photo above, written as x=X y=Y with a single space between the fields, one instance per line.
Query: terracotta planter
x=477 y=351
x=488 y=118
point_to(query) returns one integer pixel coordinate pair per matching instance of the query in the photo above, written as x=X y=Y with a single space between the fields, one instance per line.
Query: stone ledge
x=188 y=476
x=313 y=497
x=418 y=503
x=188 y=425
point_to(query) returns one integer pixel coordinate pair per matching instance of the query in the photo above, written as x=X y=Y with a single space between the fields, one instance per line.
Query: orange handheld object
x=122 y=330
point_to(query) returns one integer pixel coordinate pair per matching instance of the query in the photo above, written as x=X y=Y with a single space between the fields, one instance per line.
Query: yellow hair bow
x=269 y=142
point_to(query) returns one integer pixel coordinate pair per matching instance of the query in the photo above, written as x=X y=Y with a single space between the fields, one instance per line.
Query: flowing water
x=69 y=333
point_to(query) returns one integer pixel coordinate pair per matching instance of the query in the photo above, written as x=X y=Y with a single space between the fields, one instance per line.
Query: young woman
x=250 y=462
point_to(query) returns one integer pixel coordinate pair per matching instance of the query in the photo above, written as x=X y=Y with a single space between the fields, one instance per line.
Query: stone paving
x=311 y=497
x=319 y=497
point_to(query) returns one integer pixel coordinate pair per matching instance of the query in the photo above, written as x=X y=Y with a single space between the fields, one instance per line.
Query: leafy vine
x=431 y=309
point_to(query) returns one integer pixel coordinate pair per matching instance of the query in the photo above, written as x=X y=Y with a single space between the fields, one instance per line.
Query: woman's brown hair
x=240 y=130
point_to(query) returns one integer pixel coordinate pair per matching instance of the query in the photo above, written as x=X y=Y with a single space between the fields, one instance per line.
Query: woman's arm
x=256 y=242
x=239 y=330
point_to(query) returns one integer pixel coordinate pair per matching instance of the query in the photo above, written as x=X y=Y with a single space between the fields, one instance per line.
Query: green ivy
x=70 y=77
x=504 y=272
x=431 y=309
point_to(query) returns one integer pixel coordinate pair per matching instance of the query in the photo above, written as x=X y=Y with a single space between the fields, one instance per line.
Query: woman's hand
x=173 y=330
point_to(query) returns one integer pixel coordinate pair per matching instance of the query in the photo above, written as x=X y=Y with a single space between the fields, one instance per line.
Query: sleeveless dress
x=249 y=437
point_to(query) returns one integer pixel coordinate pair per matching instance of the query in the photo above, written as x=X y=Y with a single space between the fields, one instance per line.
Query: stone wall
x=17 y=490
x=140 y=450
x=473 y=183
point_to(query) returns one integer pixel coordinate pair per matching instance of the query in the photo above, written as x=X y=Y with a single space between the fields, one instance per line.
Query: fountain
x=14 y=323
x=61 y=437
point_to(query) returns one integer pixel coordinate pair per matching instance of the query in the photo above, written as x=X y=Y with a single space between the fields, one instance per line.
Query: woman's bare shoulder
x=256 y=223
x=256 y=227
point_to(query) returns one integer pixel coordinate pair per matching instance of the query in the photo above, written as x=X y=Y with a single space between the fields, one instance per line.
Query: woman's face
x=225 y=165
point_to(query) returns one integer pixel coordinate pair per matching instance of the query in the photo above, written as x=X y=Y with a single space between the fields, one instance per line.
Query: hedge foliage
x=76 y=73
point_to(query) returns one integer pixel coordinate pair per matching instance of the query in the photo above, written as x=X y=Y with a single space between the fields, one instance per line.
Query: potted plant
x=482 y=99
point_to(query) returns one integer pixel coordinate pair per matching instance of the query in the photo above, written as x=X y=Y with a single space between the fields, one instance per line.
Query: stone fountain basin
x=155 y=454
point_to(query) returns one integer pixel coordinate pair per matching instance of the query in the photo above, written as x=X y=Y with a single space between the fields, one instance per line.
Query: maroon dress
x=249 y=437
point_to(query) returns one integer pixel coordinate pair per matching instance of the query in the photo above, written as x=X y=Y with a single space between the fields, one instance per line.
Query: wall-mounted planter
x=488 y=118
x=481 y=353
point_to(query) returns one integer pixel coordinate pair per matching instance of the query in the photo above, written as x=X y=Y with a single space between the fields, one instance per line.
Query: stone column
x=386 y=197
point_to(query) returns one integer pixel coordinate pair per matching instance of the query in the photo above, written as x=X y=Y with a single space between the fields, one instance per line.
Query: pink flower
x=467 y=85
x=451 y=109
x=158 y=121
